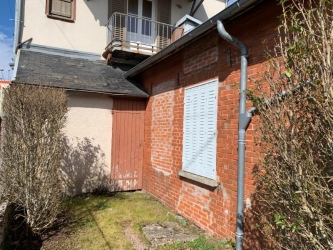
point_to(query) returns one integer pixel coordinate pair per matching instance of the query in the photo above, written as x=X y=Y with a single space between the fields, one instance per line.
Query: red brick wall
x=204 y=59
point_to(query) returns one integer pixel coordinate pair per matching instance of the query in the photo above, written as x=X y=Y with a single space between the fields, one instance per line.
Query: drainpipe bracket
x=244 y=120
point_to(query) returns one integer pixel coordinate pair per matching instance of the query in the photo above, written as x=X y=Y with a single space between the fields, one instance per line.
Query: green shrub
x=294 y=198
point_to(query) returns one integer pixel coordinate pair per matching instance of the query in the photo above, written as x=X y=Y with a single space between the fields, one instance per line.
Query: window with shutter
x=61 y=9
x=117 y=6
x=164 y=16
x=200 y=121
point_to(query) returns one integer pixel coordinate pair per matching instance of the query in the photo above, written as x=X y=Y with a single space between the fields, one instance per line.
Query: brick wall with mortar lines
x=211 y=209
x=161 y=128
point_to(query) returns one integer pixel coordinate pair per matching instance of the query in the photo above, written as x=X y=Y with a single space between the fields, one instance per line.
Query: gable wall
x=87 y=33
x=211 y=209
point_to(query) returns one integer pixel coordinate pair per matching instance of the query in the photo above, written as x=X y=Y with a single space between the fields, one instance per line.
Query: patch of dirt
x=51 y=241
x=167 y=232
x=135 y=239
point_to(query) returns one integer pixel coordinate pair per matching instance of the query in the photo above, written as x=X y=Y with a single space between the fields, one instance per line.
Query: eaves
x=225 y=15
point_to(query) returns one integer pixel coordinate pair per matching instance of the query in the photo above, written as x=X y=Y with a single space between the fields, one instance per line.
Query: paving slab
x=167 y=232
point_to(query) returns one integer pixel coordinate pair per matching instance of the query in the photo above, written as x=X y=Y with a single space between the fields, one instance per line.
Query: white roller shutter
x=199 y=138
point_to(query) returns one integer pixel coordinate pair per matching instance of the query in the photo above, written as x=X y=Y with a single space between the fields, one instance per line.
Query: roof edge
x=61 y=52
x=187 y=17
x=226 y=14
x=112 y=94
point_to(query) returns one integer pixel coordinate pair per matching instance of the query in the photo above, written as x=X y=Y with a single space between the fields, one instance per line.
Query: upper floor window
x=147 y=9
x=61 y=9
x=140 y=27
x=134 y=21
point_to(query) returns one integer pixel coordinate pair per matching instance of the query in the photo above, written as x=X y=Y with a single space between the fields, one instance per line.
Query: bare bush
x=32 y=152
x=295 y=176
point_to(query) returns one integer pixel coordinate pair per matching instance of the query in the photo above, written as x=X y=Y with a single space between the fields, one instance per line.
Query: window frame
x=139 y=26
x=59 y=17
x=194 y=166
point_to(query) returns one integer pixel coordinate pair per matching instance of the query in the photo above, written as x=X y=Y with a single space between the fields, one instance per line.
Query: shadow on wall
x=83 y=167
x=100 y=14
x=255 y=234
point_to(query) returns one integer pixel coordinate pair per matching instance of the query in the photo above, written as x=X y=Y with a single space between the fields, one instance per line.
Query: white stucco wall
x=88 y=134
x=208 y=9
x=87 y=33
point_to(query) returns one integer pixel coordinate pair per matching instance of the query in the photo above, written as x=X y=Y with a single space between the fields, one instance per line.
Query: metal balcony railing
x=142 y=35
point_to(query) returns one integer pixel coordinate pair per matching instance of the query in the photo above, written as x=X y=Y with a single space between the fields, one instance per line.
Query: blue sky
x=229 y=2
x=7 y=12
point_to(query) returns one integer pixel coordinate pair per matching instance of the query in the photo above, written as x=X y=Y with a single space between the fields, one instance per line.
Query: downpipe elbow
x=225 y=35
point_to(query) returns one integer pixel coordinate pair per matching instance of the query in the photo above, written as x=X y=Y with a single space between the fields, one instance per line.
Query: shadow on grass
x=77 y=211
x=83 y=171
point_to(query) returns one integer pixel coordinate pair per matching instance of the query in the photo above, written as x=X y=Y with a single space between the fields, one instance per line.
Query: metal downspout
x=17 y=31
x=243 y=122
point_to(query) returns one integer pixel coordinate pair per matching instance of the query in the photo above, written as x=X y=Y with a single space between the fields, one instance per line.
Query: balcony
x=132 y=39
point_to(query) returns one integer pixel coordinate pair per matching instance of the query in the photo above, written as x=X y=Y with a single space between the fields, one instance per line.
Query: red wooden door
x=127 y=144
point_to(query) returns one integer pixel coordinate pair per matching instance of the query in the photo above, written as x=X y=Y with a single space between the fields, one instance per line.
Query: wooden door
x=127 y=144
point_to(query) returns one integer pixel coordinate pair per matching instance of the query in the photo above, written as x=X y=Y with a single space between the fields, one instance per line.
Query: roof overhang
x=75 y=71
x=225 y=15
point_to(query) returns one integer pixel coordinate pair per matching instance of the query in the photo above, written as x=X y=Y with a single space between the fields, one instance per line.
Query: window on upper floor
x=159 y=10
x=61 y=9
x=200 y=129
x=144 y=22
x=140 y=27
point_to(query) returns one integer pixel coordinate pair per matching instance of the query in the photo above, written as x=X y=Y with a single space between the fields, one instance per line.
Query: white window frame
x=142 y=38
x=48 y=11
x=200 y=129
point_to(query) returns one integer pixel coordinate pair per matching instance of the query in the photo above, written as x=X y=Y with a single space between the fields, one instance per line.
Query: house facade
x=83 y=25
x=60 y=43
x=162 y=115
x=192 y=118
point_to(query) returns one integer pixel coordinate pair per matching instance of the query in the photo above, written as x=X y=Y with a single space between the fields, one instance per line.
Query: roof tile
x=75 y=73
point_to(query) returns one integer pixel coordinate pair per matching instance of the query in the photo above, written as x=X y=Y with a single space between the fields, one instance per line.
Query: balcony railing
x=139 y=35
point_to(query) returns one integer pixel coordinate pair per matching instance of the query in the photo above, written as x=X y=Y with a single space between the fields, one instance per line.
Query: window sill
x=69 y=20
x=200 y=179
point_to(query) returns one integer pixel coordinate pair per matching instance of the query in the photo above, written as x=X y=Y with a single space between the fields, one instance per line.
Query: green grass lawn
x=104 y=222
x=99 y=221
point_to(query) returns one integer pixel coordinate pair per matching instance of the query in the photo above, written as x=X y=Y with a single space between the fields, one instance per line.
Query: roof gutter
x=227 y=14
